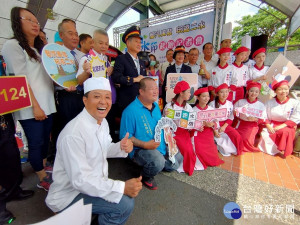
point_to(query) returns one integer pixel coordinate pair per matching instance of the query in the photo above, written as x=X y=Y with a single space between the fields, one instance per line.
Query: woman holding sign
x=251 y=113
x=228 y=139
x=183 y=135
x=283 y=116
x=205 y=147
x=22 y=55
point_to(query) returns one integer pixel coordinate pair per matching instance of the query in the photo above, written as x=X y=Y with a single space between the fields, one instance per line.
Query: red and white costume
x=248 y=129
x=205 y=147
x=221 y=75
x=230 y=141
x=250 y=63
x=278 y=113
x=240 y=76
x=184 y=142
x=256 y=72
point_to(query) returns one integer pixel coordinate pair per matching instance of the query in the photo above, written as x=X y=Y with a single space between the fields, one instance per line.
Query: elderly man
x=193 y=58
x=163 y=67
x=100 y=47
x=69 y=100
x=129 y=69
x=207 y=62
x=139 y=120
x=81 y=167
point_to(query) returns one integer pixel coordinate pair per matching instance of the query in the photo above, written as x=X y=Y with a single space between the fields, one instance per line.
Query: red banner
x=14 y=94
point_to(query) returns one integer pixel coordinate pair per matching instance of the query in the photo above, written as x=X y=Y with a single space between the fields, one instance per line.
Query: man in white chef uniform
x=81 y=167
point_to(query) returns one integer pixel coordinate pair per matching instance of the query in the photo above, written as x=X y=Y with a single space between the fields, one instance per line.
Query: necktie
x=178 y=69
x=137 y=63
x=74 y=54
x=170 y=64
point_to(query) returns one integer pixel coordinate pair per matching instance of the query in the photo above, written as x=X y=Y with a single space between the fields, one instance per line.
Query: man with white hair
x=81 y=167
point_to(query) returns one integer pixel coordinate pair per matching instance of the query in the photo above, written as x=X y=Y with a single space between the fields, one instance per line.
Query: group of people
x=85 y=115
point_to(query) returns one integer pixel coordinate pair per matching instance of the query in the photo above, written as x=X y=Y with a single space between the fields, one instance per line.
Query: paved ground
x=184 y=200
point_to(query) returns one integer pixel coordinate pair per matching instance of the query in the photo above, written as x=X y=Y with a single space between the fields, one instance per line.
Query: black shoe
x=6 y=217
x=149 y=183
x=23 y=194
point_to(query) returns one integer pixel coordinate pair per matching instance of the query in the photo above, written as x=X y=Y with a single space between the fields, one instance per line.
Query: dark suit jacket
x=123 y=74
x=172 y=69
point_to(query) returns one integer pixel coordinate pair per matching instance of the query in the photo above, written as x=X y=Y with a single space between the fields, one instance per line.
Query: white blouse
x=19 y=63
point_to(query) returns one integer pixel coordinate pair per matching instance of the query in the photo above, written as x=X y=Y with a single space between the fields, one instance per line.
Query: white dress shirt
x=81 y=164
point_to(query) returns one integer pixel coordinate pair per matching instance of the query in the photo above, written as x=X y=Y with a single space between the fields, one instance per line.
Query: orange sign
x=14 y=94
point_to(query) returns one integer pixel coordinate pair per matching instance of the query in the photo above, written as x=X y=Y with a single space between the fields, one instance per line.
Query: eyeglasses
x=29 y=20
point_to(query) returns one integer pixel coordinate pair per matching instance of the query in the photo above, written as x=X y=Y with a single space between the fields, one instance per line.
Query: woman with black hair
x=22 y=56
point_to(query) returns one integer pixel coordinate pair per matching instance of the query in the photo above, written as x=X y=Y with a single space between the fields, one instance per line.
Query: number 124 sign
x=14 y=94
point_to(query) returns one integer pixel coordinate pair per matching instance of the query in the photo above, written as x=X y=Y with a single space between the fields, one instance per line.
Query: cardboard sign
x=250 y=111
x=280 y=67
x=14 y=94
x=60 y=65
x=194 y=120
x=173 y=78
x=168 y=126
x=98 y=64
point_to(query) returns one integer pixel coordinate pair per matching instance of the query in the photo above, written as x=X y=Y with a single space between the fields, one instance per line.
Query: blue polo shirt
x=140 y=122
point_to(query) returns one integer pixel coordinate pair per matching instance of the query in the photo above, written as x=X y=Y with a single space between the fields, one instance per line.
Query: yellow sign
x=98 y=67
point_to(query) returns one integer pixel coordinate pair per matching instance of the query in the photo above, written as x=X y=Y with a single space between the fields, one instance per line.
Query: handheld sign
x=98 y=64
x=281 y=67
x=60 y=65
x=194 y=120
x=173 y=78
x=250 y=111
x=14 y=94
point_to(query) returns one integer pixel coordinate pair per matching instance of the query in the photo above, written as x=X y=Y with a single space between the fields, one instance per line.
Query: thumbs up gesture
x=126 y=144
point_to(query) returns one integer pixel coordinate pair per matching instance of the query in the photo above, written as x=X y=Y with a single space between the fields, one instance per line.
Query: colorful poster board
x=281 y=68
x=14 y=94
x=173 y=78
x=169 y=127
x=194 y=120
x=98 y=64
x=60 y=65
x=192 y=32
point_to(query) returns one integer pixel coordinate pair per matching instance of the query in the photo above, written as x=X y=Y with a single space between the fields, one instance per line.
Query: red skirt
x=284 y=138
x=248 y=131
x=235 y=137
x=185 y=146
x=239 y=94
x=206 y=149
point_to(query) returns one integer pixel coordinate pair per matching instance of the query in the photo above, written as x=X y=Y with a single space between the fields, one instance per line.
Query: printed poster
x=60 y=65
x=173 y=78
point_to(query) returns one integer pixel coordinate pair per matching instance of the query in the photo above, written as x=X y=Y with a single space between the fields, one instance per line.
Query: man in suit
x=129 y=69
x=177 y=67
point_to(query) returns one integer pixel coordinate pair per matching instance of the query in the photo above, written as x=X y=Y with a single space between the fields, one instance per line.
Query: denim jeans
x=108 y=213
x=154 y=162
x=38 y=136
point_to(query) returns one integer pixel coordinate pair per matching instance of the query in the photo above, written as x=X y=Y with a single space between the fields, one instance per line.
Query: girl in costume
x=283 y=116
x=228 y=139
x=222 y=73
x=205 y=147
x=248 y=125
x=258 y=71
x=182 y=135
x=240 y=73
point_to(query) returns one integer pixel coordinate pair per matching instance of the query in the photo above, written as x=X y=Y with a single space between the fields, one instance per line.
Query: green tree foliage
x=264 y=23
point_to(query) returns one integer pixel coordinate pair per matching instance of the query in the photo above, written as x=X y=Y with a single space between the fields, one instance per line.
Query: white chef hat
x=227 y=31
x=96 y=83
x=246 y=41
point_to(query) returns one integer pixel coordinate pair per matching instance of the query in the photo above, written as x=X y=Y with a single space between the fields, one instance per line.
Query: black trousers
x=10 y=165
